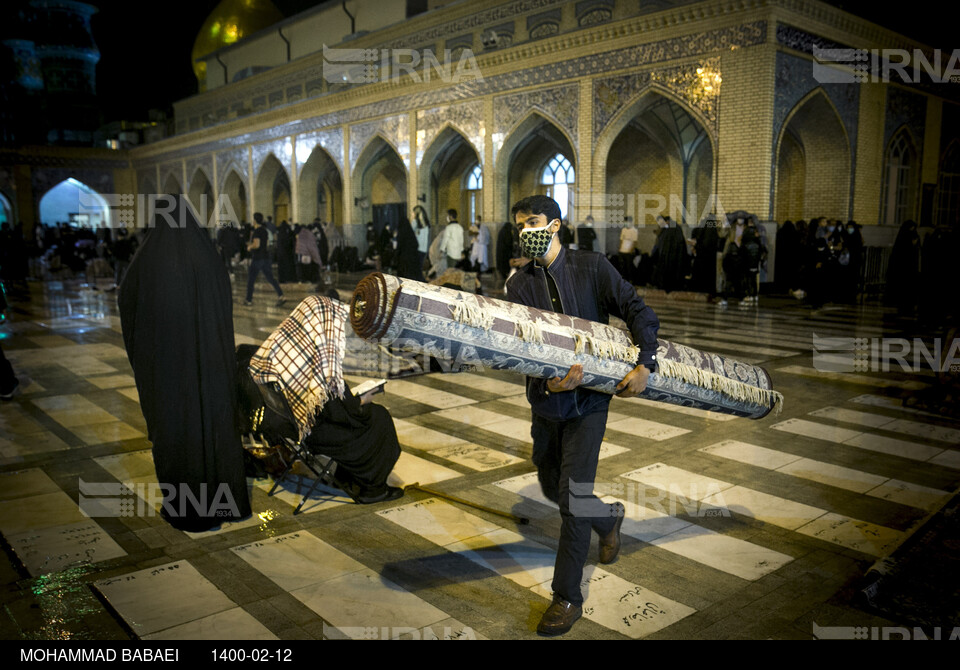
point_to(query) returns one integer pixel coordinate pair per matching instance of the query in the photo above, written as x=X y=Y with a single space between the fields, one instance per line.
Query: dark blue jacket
x=590 y=288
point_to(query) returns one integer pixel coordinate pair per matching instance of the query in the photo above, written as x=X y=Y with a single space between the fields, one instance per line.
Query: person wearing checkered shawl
x=304 y=358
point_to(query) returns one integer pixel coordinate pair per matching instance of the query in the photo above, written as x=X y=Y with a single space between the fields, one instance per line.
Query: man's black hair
x=452 y=213
x=536 y=204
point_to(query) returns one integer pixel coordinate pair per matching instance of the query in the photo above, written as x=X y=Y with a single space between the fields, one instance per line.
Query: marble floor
x=735 y=528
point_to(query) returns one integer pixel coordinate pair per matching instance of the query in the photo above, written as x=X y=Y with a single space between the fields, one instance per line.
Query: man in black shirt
x=568 y=422
x=260 y=260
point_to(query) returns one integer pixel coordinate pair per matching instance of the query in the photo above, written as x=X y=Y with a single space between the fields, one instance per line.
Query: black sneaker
x=247 y=303
x=281 y=301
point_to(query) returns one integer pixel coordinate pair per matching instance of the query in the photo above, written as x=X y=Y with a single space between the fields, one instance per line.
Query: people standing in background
x=706 y=244
x=452 y=245
x=286 y=254
x=670 y=256
x=508 y=248
x=259 y=249
x=628 y=245
x=407 y=255
x=586 y=235
x=421 y=228
x=479 y=247
x=903 y=272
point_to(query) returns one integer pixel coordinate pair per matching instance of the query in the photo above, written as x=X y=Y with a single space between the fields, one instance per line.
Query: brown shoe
x=559 y=617
x=610 y=543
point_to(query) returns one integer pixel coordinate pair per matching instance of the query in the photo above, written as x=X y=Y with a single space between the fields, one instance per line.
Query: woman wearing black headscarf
x=903 y=272
x=407 y=258
x=176 y=311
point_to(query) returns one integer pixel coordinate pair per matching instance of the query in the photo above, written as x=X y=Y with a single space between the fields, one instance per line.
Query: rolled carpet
x=464 y=328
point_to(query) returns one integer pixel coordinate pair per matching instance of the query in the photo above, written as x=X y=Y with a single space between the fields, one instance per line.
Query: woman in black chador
x=176 y=311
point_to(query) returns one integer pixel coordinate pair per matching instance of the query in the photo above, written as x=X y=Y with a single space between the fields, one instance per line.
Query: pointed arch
x=272 y=192
x=200 y=194
x=379 y=184
x=900 y=179
x=446 y=163
x=656 y=145
x=73 y=201
x=531 y=142
x=320 y=188
x=812 y=161
x=171 y=184
x=422 y=152
x=235 y=189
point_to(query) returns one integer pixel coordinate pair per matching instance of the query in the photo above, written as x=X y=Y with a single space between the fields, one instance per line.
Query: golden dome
x=230 y=22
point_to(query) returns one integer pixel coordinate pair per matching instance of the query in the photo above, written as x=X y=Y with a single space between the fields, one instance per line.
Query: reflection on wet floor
x=733 y=527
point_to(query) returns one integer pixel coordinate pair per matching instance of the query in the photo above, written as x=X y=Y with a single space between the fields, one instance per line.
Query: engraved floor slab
x=648 y=429
x=622 y=606
x=858 y=535
x=853 y=416
x=689 y=411
x=438 y=521
x=510 y=555
x=41 y=511
x=426 y=439
x=426 y=395
x=232 y=624
x=296 y=560
x=57 y=548
x=358 y=600
x=750 y=454
x=668 y=478
x=852 y=378
x=473 y=416
x=729 y=554
x=484 y=383
x=410 y=469
x=73 y=410
x=476 y=457
x=24 y=483
x=765 y=507
x=162 y=597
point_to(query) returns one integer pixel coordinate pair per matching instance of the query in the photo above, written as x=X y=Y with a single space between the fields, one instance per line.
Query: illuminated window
x=474 y=185
x=558 y=175
x=899 y=184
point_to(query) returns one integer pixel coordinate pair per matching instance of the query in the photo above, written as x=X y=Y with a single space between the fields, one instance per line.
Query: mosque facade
x=614 y=107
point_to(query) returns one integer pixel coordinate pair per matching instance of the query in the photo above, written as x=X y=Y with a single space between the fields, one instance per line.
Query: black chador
x=176 y=311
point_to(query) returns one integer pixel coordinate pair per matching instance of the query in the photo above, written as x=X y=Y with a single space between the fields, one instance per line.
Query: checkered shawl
x=304 y=355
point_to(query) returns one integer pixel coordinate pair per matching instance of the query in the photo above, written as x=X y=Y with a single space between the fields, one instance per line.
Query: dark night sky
x=145 y=55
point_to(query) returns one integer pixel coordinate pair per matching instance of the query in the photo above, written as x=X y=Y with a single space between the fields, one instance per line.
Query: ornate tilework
x=696 y=44
x=467 y=118
x=592 y=12
x=235 y=159
x=331 y=140
x=803 y=41
x=395 y=129
x=205 y=163
x=560 y=104
x=45 y=178
x=279 y=149
x=473 y=22
x=795 y=80
x=700 y=90
x=167 y=170
x=905 y=108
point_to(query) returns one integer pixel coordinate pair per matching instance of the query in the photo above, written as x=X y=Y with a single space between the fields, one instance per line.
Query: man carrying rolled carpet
x=569 y=422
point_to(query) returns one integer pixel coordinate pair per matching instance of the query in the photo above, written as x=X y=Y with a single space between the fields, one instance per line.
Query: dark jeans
x=261 y=265
x=566 y=455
